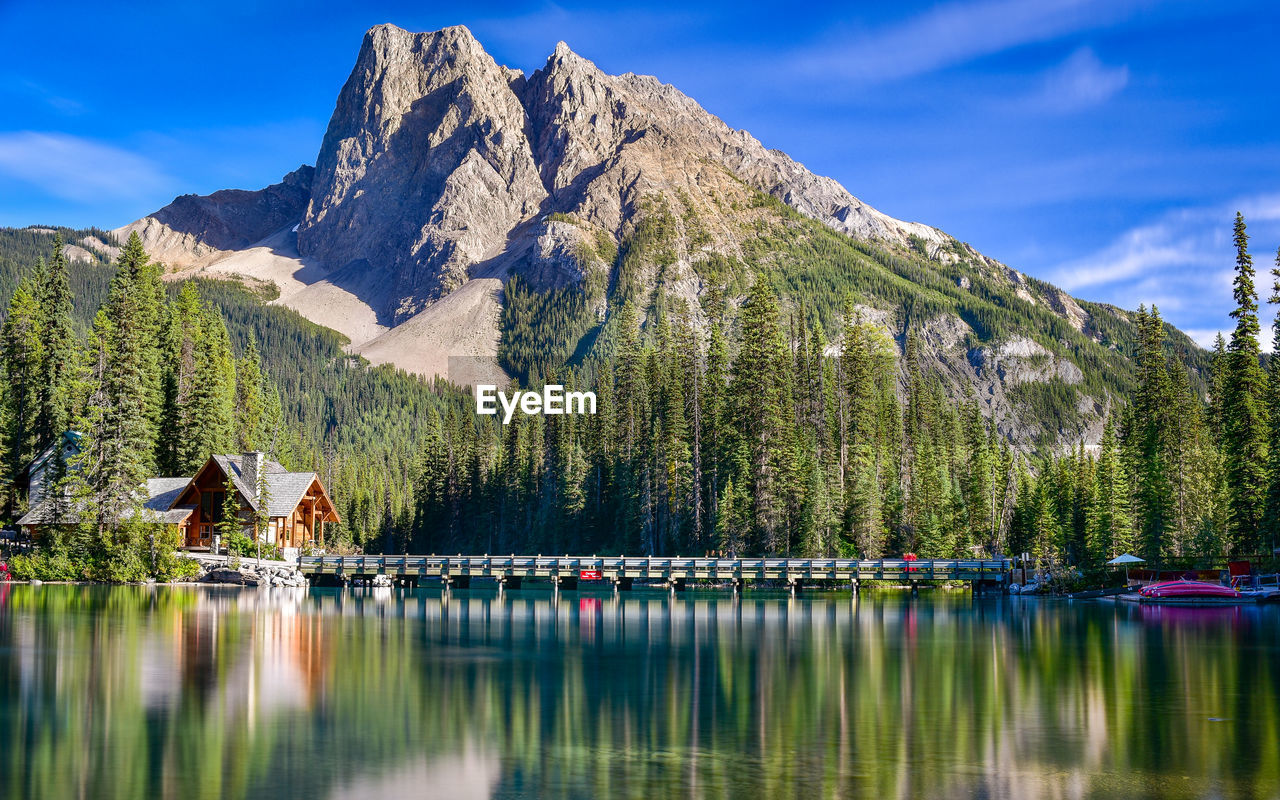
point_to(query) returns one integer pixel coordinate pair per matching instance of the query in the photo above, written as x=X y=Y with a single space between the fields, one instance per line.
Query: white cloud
x=956 y=33
x=1205 y=337
x=78 y=169
x=1082 y=81
x=1182 y=262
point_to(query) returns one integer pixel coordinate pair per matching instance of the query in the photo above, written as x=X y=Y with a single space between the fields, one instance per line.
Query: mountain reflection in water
x=191 y=692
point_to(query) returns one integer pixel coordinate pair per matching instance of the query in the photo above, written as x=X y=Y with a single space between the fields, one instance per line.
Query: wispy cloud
x=1182 y=262
x=956 y=33
x=1080 y=82
x=78 y=169
x=67 y=106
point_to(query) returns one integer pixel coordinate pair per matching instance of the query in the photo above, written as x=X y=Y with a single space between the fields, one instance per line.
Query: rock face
x=438 y=162
x=193 y=230
x=425 y=168
x=443 y=173
x=441 y=168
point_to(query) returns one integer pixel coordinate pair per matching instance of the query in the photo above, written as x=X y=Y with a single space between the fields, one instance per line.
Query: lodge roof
x=71 y=438
x=162 y=493
x=161 y=496
x=285 y=489
x=157 y=506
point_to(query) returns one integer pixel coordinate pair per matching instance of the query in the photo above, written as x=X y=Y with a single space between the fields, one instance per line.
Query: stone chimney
x=251 y=466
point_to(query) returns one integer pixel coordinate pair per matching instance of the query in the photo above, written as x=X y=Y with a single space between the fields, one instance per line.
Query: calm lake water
x=160 y=692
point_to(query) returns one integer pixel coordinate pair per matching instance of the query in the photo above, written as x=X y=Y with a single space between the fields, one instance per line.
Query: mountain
x=467 y=221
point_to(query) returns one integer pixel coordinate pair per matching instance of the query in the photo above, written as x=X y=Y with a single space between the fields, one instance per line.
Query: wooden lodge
x=297 y=505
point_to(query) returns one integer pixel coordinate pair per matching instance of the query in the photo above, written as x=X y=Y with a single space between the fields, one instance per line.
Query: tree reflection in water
x=176 y=692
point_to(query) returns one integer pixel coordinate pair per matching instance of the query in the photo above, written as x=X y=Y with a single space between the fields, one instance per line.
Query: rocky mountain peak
x=425 y=166
x=443 y=173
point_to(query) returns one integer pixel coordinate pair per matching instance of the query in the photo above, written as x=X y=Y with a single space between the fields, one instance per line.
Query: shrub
x=238 y=544
x=42 y=565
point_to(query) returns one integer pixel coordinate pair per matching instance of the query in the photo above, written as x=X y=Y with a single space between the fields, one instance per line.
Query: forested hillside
x=962 y=307
x=777 y=423
x=356 y=426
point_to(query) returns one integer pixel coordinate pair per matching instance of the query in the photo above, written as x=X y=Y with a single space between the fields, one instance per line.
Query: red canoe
x=1189 y=590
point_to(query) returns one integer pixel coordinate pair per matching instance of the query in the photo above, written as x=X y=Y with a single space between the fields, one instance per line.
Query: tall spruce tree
x=1270 y=533
x=22 y=358
x=179 y=450
x=1151 y=434
x=762 y=392
x=250 y=401
x=1110 y=528
x=867 y=362
x=55 y=386
x=1244 y=409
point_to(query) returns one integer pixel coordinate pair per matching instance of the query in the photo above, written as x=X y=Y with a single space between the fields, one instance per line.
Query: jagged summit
x=442 y=174
x=437 y=159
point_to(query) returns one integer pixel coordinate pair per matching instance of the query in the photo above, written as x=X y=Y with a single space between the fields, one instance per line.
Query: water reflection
x=198 y=692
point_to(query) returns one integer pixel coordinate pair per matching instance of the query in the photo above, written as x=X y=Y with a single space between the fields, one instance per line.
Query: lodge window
x=211 y=506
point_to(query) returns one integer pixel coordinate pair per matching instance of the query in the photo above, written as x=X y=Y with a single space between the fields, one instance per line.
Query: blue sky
x=1101 y=144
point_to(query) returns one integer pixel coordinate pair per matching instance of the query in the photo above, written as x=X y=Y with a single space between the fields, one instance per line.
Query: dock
x=566 y=572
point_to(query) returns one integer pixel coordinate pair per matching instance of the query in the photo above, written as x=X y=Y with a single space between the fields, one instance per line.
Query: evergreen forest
x=783 y=422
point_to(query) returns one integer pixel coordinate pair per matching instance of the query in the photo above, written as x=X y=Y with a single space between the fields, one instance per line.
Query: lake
x=194 y=692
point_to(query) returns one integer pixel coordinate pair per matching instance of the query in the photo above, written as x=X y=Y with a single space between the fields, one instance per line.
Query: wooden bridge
x=674 y=572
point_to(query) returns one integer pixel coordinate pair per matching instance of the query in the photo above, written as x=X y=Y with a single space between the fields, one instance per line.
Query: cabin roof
x=233 y=465
x=67 y=439
x=157 y=506
x=162 y=493
x=286 y=489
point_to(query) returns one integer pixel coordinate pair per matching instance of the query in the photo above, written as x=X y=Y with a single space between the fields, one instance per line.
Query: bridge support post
x=915 y=588
x=853 y=585
x=509 y=582
x=676 y=584
x=566 y=582
x=795 y=586
x=622 y=584
x=737 y=585
x=457 y=581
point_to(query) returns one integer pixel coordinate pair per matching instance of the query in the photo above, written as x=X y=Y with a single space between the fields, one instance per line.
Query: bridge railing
x=492 y=565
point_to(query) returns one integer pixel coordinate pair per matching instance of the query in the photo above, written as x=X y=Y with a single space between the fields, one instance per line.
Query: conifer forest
x=781 y=420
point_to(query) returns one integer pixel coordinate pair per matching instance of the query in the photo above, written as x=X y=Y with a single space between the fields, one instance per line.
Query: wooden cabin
x=297 y=504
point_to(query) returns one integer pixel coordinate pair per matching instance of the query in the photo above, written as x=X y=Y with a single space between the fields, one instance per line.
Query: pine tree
x=123 y=412
x=1152 y=407
x=1270 y=533
x=1110 y=529
x=22 y=357
x=250 y=404
x=55 y=385
x=714 y=440
x=1217 y=388
x=214 y=390
x=867 y=362
x=231 y=526
x=179 y=450
x=262 y=516
x=1244 y=408
x=430 y=488
x=762 y=392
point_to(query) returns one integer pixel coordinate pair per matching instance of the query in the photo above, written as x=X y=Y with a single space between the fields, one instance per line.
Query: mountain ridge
x=443 y=173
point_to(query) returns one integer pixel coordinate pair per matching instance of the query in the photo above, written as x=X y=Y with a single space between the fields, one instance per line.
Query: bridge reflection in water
x=675 y=572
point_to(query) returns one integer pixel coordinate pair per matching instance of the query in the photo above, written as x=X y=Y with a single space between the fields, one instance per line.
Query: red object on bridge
x=910 y=557
x=589 y=575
